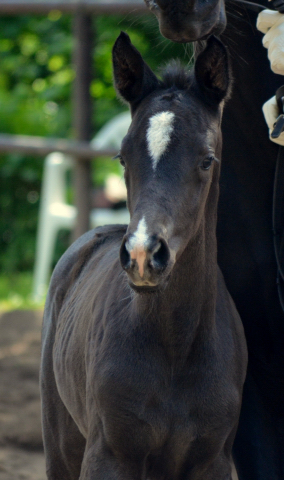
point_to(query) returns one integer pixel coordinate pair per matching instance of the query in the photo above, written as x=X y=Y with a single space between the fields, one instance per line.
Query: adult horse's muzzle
x=147 y=264
x=189 y=20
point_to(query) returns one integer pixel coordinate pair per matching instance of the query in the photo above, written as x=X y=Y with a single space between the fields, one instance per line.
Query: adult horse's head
x=189 y=20
x=170 y=155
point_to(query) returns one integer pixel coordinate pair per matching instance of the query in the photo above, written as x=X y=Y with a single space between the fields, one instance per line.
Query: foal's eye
x=207 y=162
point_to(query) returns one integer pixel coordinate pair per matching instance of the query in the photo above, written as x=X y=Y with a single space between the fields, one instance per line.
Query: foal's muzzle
x=145 y=264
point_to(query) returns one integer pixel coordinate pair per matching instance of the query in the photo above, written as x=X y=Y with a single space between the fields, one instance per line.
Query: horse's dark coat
x=188 y=20
x=245 y=241
x=246 y=188
x=149 y=386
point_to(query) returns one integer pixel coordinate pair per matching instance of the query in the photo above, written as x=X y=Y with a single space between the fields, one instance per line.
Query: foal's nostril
x=125 y=259
x=161 y=255
x=144 y=262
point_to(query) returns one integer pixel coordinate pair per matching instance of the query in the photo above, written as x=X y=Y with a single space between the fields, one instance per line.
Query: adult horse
x=148 y=384
x=245 y=238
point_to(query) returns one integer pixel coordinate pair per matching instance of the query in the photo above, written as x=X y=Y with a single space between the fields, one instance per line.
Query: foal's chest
x=146 y=420
x=152 y=410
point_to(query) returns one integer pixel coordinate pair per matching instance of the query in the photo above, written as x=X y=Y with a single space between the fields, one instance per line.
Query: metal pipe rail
x=82 y=102
x=41 y=146
x=95 y=7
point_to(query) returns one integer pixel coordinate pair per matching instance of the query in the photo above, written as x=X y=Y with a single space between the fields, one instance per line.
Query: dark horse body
x=244 y=232
x=147 y=384
x=246 y=252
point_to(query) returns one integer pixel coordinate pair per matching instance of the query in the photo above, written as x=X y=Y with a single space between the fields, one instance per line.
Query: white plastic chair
x=56 y=214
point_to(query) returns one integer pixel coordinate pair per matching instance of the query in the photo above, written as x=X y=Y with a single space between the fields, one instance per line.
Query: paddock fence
x=83 y=105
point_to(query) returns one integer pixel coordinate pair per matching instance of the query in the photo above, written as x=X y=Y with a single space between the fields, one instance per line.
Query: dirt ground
x=21 y=451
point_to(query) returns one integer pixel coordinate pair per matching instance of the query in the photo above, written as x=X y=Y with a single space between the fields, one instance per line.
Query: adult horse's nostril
x=125 y=259
x=162 y=3
x=161 y=255
x=152 y=5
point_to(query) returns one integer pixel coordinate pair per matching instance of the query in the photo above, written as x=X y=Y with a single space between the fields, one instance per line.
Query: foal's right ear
x=133 y=78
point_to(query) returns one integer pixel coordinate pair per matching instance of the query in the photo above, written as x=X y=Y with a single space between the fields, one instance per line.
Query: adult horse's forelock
x=189 y=20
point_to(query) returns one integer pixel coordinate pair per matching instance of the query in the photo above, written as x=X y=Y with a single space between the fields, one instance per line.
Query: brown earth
x=21 y=451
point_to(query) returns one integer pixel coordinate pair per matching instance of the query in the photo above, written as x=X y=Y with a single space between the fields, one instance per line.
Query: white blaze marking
x=140 y=236
x=159 y=135
x=136 y=246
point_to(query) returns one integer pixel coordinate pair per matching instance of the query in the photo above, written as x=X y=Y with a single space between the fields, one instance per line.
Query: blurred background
x=36 y=82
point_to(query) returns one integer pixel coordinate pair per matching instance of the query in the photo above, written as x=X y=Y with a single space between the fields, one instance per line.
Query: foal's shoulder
x=79 y=254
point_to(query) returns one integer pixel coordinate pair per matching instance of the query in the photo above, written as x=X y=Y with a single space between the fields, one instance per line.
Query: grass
x=15 y=292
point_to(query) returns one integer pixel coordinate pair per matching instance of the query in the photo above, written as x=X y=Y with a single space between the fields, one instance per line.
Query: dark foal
x=142 y=372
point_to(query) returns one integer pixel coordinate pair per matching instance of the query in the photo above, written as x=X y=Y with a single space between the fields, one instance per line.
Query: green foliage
x=36 y=77
x=35 y=86
x=15 y=292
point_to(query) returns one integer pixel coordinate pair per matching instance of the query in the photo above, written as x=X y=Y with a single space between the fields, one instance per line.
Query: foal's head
x=171 y=156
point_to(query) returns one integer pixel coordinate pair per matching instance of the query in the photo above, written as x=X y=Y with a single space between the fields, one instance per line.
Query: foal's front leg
x=100 y=463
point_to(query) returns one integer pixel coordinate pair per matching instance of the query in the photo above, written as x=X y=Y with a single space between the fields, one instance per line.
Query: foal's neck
x=186 y=307
x=184 y=311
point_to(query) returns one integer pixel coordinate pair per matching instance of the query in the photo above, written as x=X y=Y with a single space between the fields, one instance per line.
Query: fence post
x=82 y=116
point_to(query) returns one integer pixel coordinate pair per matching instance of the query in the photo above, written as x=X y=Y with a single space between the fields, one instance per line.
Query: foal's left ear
x=213 y=72
x=132 y=77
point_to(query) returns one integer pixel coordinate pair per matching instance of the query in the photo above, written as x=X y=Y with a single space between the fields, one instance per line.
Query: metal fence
x=79 y=148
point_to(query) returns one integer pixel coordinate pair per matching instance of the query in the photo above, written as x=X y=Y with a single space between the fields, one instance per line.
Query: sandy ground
x=21 y=451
